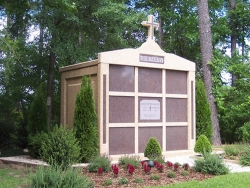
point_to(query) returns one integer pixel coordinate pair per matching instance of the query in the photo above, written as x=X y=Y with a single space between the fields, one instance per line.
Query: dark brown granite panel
x=104 y=109
x=149 y=80
x=154 y=99
x=192 y=110
x=121 y=109
x=176 y=82
x=176 y=110
x=121 y=78
x=176 y=138
x=145 y=133
x=121 y=140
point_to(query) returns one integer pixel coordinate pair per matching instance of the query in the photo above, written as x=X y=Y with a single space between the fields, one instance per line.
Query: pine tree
x=85 y=121
x=203 y=113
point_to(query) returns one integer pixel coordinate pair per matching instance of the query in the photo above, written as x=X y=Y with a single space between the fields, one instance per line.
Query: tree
x=85 y=121
x=203 y=112
x=206 y=58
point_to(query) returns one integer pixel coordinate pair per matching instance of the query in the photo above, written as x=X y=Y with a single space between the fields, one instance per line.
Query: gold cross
x=151 y=26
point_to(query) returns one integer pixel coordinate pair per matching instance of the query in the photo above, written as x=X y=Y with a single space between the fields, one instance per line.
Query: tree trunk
x=160 y=31
x=233 y=36
x=206 y=57
x=50 y=87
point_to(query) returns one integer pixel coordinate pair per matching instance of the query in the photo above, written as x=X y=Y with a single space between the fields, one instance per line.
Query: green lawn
x=239 y=180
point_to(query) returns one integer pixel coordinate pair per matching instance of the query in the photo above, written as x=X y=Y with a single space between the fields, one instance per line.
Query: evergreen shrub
x=245 y=156
x=35 y=143
x=245 y=132
x=171 y=174
x=210 y=164
x=99 y=161
x=153 y=149
x=202 y=144
x=85 y=121
x=56 y=178
x=203 y=112
x=61 y=148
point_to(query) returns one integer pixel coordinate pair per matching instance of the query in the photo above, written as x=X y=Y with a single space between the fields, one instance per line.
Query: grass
x=239 y=180
x=12 y=178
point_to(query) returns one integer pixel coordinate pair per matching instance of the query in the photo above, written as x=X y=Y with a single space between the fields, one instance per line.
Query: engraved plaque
x=150 y=110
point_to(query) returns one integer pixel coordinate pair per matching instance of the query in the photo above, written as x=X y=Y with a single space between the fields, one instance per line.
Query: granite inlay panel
x=121 y=78
x=150 y=109
x=176 y=82
x=145 y=133
x=121 y=140
x=176 y=138
x=149 y=80
x=121 y=109
x=192 y=109
x=104 y=109
x=176 y=110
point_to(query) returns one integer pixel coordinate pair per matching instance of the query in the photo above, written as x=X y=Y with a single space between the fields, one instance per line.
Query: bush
x=245 y=156
x=107 y=182
x=160 y=159
x=184 y=173
x=171 y=174
x=155 y=177
x=99 y=161
x=153 y=149
x=61 y=148
x=35 y=144
x=138 y=180
x=85 y=121
x=231 y=150
x=202 y=144
x=210 y=164
x=54 y=177
x=245 y=132
x=129 y=159
x=203 y=112
x=123 y=181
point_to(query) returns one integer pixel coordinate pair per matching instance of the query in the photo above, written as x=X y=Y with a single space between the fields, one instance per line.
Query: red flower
x=170 y=164
x=160 y=167
x=176 y=166
x=142 y=163
x=156 y=163
x=131 y=169
x=115 y=169
x=146 y=168
x=100 y=171
x=185 y=166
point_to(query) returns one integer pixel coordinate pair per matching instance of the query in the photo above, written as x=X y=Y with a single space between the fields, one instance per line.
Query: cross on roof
x=151 y=26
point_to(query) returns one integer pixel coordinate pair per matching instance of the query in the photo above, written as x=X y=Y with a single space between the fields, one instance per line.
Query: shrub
x=85 y=121
x=107 y=182
x=184 y=173
x=155 y=177
x=123 y=181
x=245 y=132
x=153 y=149
x=61 y=148
x=171 y=174
x=210 y=164
x=231 y=150
x=160 y=159
x=203 y=112
x=99 y=161
x=245 y=156
x=35 y=143
x=129 y=159
x=138 y=180
x=54 y=177
x=202 y=144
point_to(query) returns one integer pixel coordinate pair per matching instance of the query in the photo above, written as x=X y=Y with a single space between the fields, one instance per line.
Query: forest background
x=69 y=32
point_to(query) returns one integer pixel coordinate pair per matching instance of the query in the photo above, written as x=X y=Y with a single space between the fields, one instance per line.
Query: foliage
x=160 y=159
x=35 y=144
x=123 y=181
x=245 y=156
x=231 y=150
x=153 y=149
x=154 y=177
x=99 y=161
x=203 y=112
x=129 y=159
x=171 y=174
x=245 y=132
x=107 y=182
x=61 y=148
x=138 y=180
x=54 y=177
x=210 y=164
x=184 y=173
x=85 y=121
x=202 y=144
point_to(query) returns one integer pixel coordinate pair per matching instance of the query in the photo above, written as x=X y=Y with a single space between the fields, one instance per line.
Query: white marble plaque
x=150 y=110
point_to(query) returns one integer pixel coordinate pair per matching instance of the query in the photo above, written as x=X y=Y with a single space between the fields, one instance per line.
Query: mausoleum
x=139 y=93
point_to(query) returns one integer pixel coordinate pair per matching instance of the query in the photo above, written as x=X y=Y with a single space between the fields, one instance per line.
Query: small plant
x=202 y=145
x=155 y=177
x=100 y=171
x=159 y=167
x=146 y=168
x=99 y=161
x=153 y=149
x=107 y=182
x=169 y=164
x=185 y=166
x=142 y=163
x=245 y=156
x=171 y=174
x=115 y=170
x=159 y=159
x=131 y=169
x=231 y=150
x=138 y=180
x=184 y=173
x=129 y=159
x=123 y=181
x=176 y=166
